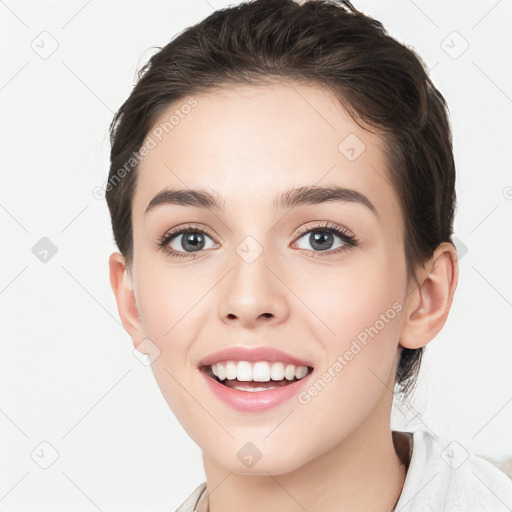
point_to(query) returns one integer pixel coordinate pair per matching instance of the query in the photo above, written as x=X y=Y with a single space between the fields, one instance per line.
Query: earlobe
x=429 y=302
x=122 y=286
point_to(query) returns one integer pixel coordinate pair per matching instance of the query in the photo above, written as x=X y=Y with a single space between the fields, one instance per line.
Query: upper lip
x=252 y=354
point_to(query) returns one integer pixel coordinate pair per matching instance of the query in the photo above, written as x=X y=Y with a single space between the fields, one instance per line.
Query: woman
x=282 y=195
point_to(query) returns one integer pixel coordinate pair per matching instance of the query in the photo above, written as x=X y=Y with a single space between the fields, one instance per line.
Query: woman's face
x=266 y=270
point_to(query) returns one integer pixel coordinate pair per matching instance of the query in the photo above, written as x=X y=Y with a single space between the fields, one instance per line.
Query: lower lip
x=254 y=401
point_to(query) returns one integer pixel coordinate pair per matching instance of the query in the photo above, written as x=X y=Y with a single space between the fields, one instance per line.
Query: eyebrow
x=300 y=196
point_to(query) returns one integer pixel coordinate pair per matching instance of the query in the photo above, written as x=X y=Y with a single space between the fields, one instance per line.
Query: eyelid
x=324 y=224
x=348 y=238
x=188 y=227
x=163 y=242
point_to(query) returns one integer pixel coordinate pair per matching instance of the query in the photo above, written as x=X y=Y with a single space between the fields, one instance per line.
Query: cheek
x=345 y=301
x=168 y=301
x=359 y=317
x=172 y=306
x=358 y=359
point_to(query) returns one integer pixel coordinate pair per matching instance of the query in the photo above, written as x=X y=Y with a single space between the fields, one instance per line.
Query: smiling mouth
x=261 y=382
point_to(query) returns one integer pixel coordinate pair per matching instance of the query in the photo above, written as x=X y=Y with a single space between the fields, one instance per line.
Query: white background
x=67 y=373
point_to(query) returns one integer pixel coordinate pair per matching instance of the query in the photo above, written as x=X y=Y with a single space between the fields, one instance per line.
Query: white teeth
x=261 y=371
x=277 y=371
x=243 y=371
x=289 y=373
x=231 y=370
x=221 y=371
x=301 y=371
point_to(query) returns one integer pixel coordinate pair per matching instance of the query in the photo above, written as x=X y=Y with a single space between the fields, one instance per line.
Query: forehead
x=252 y=141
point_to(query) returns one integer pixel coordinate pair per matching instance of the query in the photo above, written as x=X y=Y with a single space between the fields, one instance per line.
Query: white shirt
x=443 y=476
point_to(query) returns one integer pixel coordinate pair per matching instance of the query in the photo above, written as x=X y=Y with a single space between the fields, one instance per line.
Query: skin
x=249 y=144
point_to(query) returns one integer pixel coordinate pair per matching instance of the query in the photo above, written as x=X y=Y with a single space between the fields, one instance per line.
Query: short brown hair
x=379 y=81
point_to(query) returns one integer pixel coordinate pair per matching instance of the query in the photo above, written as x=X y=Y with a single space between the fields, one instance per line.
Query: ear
x=428 y=303
x=122 y=286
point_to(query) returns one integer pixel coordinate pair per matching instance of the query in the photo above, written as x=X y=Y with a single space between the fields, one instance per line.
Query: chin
x=263 y=464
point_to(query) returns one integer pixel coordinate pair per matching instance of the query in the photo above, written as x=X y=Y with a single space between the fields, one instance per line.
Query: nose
x=253 y=293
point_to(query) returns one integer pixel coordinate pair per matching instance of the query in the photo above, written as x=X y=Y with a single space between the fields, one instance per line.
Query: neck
x=362 y=472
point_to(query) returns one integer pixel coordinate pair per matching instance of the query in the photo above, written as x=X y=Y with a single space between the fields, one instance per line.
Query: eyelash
x=325 y=227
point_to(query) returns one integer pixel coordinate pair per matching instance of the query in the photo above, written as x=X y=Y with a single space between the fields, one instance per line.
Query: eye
x=322 y=238
x=185 y=241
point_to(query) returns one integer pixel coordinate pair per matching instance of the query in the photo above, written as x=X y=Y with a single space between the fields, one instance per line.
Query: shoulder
x=190 y=504
x=445 y=475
